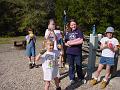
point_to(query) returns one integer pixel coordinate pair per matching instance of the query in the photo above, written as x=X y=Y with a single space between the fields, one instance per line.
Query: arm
x=78 y=40
x=103 y=47
x=114 y=49
x=47 y=33
x=38 y=57
x=75 y=41
x=34 y=38
x=27 y=38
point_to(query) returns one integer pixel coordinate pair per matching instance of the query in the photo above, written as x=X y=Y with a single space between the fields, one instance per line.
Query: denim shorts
x=107 y=60
x=30 y=51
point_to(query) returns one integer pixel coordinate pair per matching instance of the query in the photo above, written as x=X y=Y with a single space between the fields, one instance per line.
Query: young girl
x=50 y=65
x=73 y=41
x=53 y=33
x=50 y=33
x=108 y=47
x=30 y=47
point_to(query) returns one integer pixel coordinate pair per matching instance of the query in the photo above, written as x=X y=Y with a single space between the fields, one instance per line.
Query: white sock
x=104 y=80
x=95 y=78
x=30 y=62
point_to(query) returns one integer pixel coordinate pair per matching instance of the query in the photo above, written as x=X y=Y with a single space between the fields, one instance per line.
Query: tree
x=103 y=13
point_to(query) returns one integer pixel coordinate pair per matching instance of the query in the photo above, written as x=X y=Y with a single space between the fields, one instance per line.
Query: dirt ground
x=16 y=75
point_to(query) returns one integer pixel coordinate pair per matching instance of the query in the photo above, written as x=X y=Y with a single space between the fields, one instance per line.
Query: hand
x=110 y=45
x=59 y=46
x=31 y=35
x=106 y=45
x=66 y=44
x=42 y=51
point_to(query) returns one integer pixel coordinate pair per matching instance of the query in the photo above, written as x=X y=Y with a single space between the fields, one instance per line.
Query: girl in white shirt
x=50 y=33
x=108 y=47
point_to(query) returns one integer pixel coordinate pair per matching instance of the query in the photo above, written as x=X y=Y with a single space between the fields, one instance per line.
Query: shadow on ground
x=74 y=86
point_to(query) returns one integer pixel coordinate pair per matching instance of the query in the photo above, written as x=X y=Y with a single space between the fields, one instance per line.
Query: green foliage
x=103 y=13
x=16 y=15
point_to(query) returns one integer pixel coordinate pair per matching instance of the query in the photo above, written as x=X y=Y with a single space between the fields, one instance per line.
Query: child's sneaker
x=103 y=84
x=59 y=88
x=34 y=65
x=30 y=66
x=81 y=80
x=72 y=82
x=93 y=82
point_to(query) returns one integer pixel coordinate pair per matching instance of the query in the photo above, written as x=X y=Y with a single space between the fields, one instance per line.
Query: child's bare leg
x=30 y=62
x=29 y=58
x=33 y=60
x=97 y=73
x=47 y=85
x=57 y=81
x=60 y=61
x=34 y=64
x=107 y=72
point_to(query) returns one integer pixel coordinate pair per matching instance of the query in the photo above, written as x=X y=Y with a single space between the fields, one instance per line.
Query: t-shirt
x=58 y=34
x=51 y=37
x=30 y=41
x=50 y=65
x=107 y=52
x=74 y=49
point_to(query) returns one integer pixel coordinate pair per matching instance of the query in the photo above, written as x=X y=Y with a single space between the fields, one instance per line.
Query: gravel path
x=16 y=75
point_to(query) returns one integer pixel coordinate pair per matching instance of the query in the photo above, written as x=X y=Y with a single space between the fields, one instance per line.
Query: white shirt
x=50 y=65
x=51 y=37
x=107 y=52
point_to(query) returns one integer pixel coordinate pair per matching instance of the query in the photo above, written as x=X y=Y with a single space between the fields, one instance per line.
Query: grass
x=10 y=40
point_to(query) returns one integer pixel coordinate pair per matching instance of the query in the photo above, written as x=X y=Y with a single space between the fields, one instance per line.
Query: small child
x=50 y=33
x=50 y=65
x=30 y=47
x=108 y=47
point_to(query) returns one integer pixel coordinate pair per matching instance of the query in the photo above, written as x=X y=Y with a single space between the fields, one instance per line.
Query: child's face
x=50 y=46
x=51 y=25
x=73 y=25
x=109 y=34
x=30 y=32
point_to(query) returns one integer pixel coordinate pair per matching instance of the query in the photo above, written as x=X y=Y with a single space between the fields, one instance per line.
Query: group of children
x=73 y=39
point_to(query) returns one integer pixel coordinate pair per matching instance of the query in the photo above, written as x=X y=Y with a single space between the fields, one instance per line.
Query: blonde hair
x=47 y=42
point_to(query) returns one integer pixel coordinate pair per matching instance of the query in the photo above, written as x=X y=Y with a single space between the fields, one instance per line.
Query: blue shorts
x=107 y=60
x=30 y=51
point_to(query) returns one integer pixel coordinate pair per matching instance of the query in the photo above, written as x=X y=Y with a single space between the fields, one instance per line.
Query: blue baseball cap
x=110 y=29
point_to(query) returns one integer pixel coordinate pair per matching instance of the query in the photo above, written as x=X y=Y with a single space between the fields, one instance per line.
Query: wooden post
x=93 y=44
x=15 y=43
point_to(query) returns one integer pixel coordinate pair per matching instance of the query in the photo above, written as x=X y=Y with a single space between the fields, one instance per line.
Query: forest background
x=16 y=15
